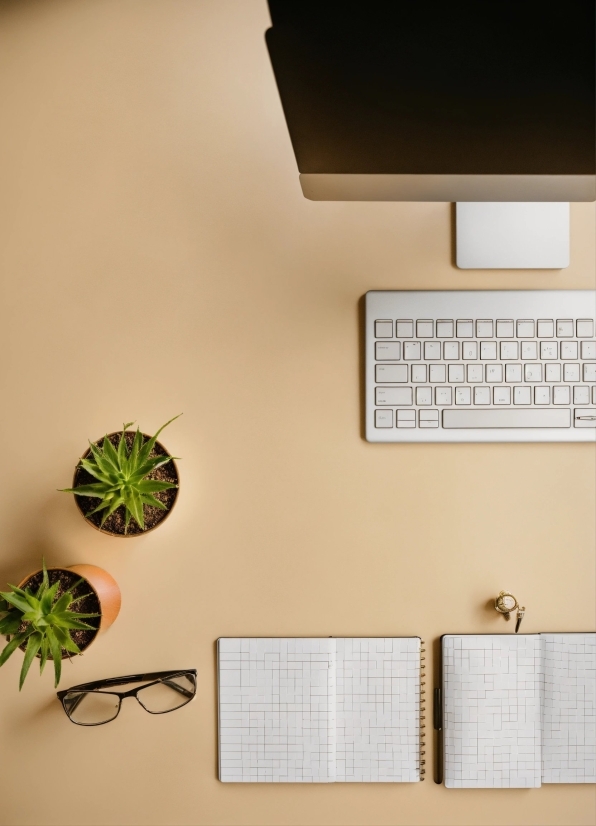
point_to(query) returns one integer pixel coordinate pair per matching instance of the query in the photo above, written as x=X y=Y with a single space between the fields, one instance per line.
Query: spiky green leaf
x=16 y=600
x=148 y=499
x=33 y=646
x=14 y=643
x=45 y=651
x=153 y=486
x=56 y=651
x=48 y=598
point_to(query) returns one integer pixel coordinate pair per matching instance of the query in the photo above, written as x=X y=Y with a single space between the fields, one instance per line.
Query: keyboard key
x=522 y=395
x=552 y=372
x=588 y=349
x=589 y=372
x=404 y=328
x=507 y=417
x=484 y=328
x=383 y=418
x=546 y=328
x=443 y=395
x=509 y=350
x=494 y=373
x=444 y=328
x=412 y=350
x=488 y=350
x=562 y=394
x=406 y=418
x=451 y=350
x=424 y=328
x=383 y=329
x=532 y=372
x=463 y=395
x=424 y=395
x=475 y=373
x=529 y=349
x=585 y=327
x=513 y=372
x=432 y=349
x=391 y=373
x=585 y=417
x=501 y=395
x=428 y=418
x=464 y=328
x=564 y=328
x=469 y=350
x=525 y=328
x=455 y=373
x=393 y=396
x=571 y=372
x=437 y=373
x=387 y=350
x=419 y=373
x=549 y=350
x=542 y=395
x=482 y=395
x=568 y=349
x=581 y=394
x=505 y=328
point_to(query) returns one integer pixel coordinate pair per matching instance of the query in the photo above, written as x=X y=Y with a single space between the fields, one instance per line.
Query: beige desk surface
x=157 y=256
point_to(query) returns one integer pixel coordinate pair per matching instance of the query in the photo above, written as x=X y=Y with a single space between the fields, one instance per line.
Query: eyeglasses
x=93 y=704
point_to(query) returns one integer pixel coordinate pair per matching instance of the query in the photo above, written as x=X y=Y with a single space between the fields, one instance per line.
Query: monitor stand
x=512 y=235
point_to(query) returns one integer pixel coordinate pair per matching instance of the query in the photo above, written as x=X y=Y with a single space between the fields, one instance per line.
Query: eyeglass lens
x=90 y=708
x=168 y=694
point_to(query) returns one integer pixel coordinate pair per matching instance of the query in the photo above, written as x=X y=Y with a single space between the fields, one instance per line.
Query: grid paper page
x=569 y=708
x=378 y=710
x=491 y=719
x=276 y=710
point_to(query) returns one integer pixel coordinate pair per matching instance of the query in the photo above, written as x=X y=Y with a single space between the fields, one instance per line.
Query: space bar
x=453 y=419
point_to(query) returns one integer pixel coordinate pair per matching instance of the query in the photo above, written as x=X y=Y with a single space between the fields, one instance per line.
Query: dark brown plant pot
x=114 y=524
x=104 y=598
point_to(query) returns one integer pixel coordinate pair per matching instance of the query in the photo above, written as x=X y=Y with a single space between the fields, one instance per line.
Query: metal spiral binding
x=422 y=710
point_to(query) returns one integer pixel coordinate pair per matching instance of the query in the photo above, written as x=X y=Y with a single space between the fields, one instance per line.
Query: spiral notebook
x=519 y=710
x=320 y=710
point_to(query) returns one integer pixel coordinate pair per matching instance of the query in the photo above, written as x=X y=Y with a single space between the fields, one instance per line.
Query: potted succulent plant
x=45 y=615
x=133 y=476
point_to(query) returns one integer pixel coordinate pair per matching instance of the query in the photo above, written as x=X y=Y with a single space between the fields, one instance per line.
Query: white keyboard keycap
x=437 y=373
x=568 y=349
x=505 y=328
x=406 y=418
x=529 y=349
x=432 y=350
x=469 y=350
x=455 y=373
x=393 y=395
x=585 y=417
x=494 y=373
x=581 y=394
x=507 y=417
x=571 y=372
x=387 y=350
x=564 y=328
x=463 y=395
x=542 y=395
x=424 y=395
x=391 y=373
x=484 y=328
x=411 y=350
x=383 y=329
x=522 y=395
x=588 y=349
x=532 y=372
x=509 y=350
x=562 y=394
x=513 y=372
x=444 y=328
x=482 y=395
x=424 y=328
x=501 y=395
x=383 y=418
x=451 y=350
x=428 y=418
x=404 y=328
x=419 y=373
x=549 y=350
x=589 y=372
x=488 y=350
x=585 y=327
x=552 y=372
x=475 y=373
x=525 y=328
x=464 y=328
x=546 y=328
x=443 y=395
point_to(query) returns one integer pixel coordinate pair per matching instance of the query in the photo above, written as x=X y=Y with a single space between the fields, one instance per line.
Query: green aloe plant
x=121 y=476
x=47 y=621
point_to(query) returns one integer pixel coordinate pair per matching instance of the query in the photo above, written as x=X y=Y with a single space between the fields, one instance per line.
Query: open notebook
x=316 y=710
x=519 y=711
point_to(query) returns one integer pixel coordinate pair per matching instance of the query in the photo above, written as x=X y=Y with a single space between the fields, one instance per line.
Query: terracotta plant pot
x=114 y=524
x=105 y=598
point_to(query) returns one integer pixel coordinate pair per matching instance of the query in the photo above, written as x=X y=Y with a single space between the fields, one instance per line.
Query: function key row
x=484 y=328
x=483 y=350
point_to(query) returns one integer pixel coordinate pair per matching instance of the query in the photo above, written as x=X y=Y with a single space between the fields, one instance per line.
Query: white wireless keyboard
x=481 y=366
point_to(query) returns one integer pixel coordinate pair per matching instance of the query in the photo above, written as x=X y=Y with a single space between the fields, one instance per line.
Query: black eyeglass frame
x=151 y=678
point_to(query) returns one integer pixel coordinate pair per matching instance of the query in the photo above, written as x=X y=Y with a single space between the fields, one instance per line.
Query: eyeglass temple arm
x=130 y=678
x=179 y=688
